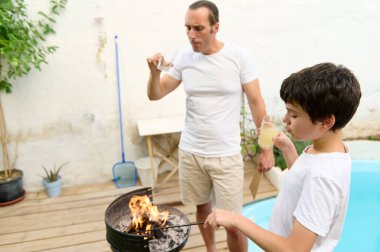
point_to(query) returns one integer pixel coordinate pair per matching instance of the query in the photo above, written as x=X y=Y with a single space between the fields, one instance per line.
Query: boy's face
x=299 y=125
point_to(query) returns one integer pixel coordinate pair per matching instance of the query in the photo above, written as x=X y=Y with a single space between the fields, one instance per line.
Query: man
x=214 y=75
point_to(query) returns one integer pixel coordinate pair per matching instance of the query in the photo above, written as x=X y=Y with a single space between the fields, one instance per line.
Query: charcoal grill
x=120 y=241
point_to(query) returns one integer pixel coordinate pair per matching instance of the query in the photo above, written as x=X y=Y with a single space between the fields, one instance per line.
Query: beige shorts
x=216 y=179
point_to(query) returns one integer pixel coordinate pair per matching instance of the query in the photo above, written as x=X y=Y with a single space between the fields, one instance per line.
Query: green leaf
x=52 y=175
x=46 y=16
x=22 y=39
x=6 y=86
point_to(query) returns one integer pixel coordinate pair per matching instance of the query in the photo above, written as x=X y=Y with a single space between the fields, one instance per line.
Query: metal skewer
x=183 y=225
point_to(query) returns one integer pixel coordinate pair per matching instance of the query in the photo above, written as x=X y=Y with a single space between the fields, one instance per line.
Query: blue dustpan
x=124 y=172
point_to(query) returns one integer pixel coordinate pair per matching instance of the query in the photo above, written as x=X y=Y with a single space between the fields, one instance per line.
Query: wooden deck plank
x=56 y=242
x=52 y=219
x=75 y=220
x=99 y=246
x=48 y=233
x=220 y=246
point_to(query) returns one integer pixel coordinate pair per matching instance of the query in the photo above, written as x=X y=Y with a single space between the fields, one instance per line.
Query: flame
x=144 y=213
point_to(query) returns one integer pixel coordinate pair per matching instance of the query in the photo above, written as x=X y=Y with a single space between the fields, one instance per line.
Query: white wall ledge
x=359 y=149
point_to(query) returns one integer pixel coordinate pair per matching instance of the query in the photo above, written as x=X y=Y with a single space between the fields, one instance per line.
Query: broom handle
x=119 y=96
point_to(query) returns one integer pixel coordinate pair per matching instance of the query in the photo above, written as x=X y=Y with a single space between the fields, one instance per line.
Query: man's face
x=199 y=31
x=299 y=125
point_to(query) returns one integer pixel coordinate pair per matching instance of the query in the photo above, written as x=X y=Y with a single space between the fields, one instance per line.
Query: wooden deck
x=75 y=220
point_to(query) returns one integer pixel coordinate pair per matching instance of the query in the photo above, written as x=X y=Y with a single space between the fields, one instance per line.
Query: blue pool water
x=361 y=230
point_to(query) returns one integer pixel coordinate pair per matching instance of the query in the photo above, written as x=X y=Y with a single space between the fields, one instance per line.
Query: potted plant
x=21 y=49
x=52 y=181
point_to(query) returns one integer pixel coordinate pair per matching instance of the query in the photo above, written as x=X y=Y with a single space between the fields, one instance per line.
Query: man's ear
x=328 y=122
x=215 y=28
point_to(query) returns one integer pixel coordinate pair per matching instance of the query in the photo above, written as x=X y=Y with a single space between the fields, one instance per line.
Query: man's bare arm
x=159 y=87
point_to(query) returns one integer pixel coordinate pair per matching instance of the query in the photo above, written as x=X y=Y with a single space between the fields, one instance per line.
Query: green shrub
x=249 y=144
x=279 y=158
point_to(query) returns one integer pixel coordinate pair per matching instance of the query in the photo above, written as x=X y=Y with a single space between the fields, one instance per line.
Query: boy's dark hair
x=323 y=90
x=213 y=16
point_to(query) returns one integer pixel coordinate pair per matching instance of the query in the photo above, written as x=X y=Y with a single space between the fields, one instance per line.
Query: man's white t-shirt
x=213 y=98
x=316 y=193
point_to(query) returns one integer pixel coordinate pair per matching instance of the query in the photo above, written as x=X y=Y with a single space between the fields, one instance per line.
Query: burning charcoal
x=154 y=245
x=171 y=244
x=158 y=233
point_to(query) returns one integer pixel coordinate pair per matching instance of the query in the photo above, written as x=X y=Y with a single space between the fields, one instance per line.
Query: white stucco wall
x=68 y=111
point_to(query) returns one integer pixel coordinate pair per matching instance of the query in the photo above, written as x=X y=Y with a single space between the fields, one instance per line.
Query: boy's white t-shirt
x=213 y=86
x=316 y=193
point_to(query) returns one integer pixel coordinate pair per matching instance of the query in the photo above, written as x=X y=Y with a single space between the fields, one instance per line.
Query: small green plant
x=373 y=138
x=52 y=175
x=250 y=147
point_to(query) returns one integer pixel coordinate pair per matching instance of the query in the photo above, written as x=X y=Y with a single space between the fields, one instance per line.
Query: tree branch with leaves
x=22 y=47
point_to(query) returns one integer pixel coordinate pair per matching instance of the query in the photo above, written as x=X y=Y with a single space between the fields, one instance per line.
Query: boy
x=311 y=206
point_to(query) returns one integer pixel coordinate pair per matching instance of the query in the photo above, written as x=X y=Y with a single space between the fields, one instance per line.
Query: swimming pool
x=361 y=230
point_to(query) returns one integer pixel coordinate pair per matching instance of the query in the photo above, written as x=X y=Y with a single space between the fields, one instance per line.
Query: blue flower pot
x=12 y=189
x=53 y=189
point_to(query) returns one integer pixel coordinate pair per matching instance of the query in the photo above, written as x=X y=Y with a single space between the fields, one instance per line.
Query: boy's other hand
x=282 y=142
x=219 y=217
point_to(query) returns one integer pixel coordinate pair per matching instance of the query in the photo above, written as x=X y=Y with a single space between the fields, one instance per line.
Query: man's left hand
x=266 y=160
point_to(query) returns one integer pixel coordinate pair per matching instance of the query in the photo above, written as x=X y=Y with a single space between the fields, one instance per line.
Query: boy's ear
x=328 y=122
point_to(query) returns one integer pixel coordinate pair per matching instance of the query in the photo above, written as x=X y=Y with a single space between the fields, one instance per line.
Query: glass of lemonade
x=268 y=131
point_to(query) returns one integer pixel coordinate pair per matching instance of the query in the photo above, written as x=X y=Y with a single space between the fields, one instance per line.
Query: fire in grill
x=133 y=223
x=146 y=218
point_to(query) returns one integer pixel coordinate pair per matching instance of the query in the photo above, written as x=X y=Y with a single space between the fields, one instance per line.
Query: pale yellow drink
x=268 y=131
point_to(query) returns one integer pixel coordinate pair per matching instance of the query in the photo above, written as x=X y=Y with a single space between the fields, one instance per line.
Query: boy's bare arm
x=300 y=239
x=287 y=148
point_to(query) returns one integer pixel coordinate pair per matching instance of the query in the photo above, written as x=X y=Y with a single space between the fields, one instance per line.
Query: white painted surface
x=276 y=176
x=162 y=125
x=68 y=111
x=362 y=149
